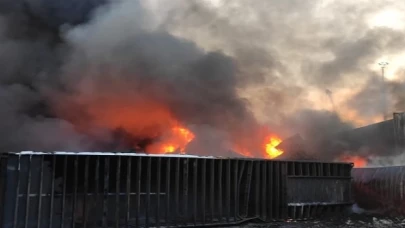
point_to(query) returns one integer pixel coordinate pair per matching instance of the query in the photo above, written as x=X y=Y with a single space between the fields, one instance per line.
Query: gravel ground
x=350 y=221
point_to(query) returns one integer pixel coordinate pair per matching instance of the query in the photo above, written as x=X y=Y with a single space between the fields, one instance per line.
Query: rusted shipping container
x=138 y=190
x=380 y=190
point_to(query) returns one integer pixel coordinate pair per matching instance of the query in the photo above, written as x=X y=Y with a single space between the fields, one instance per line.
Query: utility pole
x=329 y=94
x=384 y=99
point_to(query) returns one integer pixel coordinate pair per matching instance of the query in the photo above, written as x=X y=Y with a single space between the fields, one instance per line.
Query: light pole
x=384 y=101
x=329 y=94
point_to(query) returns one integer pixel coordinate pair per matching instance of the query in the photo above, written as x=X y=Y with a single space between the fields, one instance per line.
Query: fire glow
x=357 y=161
x=180 y=137
x=271 y=147
x=153 y=127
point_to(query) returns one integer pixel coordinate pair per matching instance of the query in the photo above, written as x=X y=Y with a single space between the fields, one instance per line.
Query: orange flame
x=271 y=147
x=242 y=151
x=177 y=139
x=262 y=145
x=168 y=148
x=357 y=161
x=143 y=117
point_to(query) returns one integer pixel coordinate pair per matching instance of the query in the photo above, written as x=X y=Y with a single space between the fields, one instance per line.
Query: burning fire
x=357 y=161
x=176 y=140
x=180 y=138
x=271 y=147
x=142 y=118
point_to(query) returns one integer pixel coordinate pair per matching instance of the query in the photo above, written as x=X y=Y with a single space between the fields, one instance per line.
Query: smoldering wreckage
x=71 y=88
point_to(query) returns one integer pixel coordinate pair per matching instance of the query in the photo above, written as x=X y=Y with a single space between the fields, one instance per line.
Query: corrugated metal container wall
x=380 y=190
x=94 y=190
x=399 y=131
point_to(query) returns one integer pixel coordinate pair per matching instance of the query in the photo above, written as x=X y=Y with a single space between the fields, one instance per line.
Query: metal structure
x=379 y=139
x=384 y=99
x=332 y=102
x=399 y=131
x=138 y=190
x=381 y=190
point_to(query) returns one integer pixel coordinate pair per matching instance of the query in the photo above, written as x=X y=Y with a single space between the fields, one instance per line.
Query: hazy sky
x=301 y=48
x=198 y=58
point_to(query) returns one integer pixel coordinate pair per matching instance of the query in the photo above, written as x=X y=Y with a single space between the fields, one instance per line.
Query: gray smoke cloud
x=224 y=69
x=308 y=46
x=106 y=74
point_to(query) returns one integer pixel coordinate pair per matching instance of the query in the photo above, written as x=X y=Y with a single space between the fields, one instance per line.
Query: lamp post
x=329 y=94
x=384 y=100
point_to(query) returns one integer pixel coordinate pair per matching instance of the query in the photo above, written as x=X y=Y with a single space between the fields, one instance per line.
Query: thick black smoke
x=318 y=130
x=51 y=13
x=51 y=81
x=30 y=56
x=219 y=69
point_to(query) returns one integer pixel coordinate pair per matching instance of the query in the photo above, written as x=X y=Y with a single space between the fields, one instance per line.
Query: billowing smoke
x=113 y=75
x=111 y=82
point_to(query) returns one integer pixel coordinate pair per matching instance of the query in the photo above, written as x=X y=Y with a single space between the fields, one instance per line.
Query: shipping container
x=380 y=190
x=138 y=190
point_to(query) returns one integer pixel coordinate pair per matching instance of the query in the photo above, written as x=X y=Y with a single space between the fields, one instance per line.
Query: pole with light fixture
x=332 y=102
x=383 y=65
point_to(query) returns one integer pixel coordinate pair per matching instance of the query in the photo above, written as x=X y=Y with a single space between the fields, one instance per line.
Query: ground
x=353 y=221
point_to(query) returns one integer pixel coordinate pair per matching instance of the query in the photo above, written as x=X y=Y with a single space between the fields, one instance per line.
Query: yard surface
x=353 y=221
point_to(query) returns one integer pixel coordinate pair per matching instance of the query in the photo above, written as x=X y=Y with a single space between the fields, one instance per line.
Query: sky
x=308 y=47
x=72 y=69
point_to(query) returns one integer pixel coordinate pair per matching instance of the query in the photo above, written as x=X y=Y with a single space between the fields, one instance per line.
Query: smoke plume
x=102 y=75
x=114 y=73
